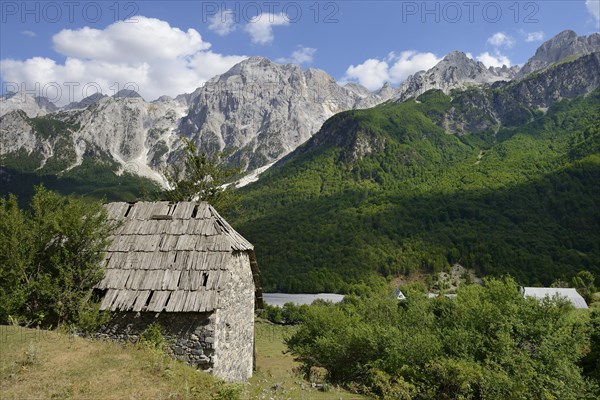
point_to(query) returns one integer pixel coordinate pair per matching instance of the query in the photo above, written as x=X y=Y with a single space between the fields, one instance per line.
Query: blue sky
x=58 y=48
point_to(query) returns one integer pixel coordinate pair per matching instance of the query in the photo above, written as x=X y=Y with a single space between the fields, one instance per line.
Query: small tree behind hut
x=200 y=178
x=50 y=257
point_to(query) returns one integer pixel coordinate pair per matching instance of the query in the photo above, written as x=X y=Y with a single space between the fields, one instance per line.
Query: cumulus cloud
x=304 y=55
x=593 y=7
x=493 y=60
x=150 y=56
x=395 y=68
x=501 y=39
x=534 y=36
x=147 y=39
x=409 y=62
x=29 y=33
x=222 y=23
x=371 y=74
x=260 y=27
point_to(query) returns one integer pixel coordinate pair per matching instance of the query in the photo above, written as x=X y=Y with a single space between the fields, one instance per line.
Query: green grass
x=276 y=367
x=38 y=364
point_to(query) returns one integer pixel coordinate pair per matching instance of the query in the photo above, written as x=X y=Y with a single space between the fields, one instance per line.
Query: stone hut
x=181 y=265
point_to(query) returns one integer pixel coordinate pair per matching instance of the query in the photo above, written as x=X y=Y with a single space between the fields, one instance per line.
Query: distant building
x=399 y=295
x=280 y=299
x=567 y=293
x=183 y=266
x=432 y=295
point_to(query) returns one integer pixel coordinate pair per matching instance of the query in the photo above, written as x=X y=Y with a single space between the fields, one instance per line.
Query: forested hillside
x=435 y=180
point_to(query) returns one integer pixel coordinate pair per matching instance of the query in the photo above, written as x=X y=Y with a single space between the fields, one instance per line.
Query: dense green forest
x=387 y=190
x=91 y=179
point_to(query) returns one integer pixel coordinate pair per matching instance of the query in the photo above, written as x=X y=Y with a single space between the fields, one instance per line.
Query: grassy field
x=37 y=364
x=276 y=376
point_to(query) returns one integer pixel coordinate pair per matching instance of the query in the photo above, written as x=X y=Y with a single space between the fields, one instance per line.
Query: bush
x=90 y=318
x=289 y=314
x=51 y=256
x=152 y=337
x=488 y=342
x=229 y=392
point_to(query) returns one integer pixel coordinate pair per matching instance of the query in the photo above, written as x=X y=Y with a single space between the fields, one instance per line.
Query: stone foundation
x=191 y=335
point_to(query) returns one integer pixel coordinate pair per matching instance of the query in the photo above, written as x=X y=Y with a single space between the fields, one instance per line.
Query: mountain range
x=497 y=169
x=256 y=113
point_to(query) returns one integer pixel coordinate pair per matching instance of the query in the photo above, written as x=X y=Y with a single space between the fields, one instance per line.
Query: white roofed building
x=569 y=294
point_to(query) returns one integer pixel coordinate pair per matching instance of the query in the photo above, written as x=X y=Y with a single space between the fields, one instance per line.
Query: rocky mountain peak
x=565 y=44
x=163 y=98
x=32 y=106
x=358 y=89
x=85 y=103
x=261 y=110
x=45 y=104
x=126 y=93
x=455 y=71
x=457 y=57
x=566 y=35
x=386 y=92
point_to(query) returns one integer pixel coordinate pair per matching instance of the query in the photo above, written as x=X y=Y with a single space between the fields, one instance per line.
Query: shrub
x=51 y=256
x=488 y=342
x=152 y=337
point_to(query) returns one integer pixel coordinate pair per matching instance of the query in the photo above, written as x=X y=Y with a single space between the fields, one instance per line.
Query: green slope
x=387 y=191
x=90 y=179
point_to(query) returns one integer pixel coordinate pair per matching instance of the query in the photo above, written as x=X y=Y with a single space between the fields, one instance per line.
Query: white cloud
x=410 y=62
x=373 y=73
x=304 y=55
x=260 y=27
x=156 y=58
x=493 y=60
x=534 y=36
x=501 y=39
x=222 y=23
x=29 y=33
x=147 y=39
x=593 y=7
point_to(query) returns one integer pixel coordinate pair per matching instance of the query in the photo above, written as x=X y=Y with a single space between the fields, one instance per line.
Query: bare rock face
x=85 y=103
x=563 y=45
x=16 y=133
x=259 y=110
x=32 y=106
x=134 y=132
x=511 y=106
x=455 y=71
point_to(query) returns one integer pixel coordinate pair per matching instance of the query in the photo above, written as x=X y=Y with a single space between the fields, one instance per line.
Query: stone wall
x=191 y=335
x=234 y=344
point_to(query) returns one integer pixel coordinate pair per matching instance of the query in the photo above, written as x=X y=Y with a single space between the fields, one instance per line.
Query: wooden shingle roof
x=169 y=257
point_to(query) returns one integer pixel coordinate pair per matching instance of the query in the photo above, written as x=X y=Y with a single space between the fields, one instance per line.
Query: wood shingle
x=169 y=257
